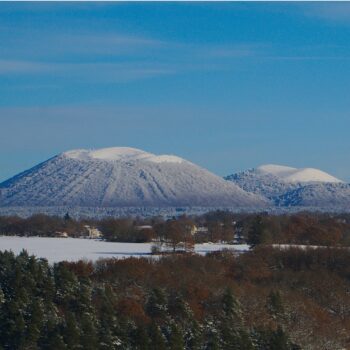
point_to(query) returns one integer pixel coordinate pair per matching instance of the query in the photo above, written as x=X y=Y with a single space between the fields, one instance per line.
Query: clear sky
x=228 y=86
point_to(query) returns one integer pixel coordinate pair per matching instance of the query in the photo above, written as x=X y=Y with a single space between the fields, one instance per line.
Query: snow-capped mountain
x=287 y=186
x=122 y=177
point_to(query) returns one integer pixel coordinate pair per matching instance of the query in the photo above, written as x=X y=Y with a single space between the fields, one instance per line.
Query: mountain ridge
x=118 y=177
x=122 y=177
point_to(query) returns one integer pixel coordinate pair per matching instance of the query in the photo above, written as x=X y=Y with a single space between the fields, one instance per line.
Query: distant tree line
x=179 y=232
x=40 y=225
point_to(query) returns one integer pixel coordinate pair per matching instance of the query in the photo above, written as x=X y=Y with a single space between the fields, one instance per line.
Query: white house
x=61 y=234
x=144 y=227
x=93 y=232
x=198 y=229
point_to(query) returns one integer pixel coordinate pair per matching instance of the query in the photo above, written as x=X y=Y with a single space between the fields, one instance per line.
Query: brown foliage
x=313 y=285
x=133 y=309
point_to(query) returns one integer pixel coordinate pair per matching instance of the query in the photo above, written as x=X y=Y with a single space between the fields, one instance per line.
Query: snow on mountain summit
x=120 y=153
x=122 y=177
x=289 y=174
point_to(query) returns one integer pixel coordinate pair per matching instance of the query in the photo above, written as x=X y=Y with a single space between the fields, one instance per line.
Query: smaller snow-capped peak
x=293 y=175
x=120 y=154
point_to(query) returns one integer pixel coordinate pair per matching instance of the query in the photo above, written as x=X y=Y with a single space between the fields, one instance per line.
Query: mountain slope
x=322 y=195
x=121 y=177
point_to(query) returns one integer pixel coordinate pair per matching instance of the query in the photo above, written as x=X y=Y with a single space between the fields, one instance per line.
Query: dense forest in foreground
x=265 y=299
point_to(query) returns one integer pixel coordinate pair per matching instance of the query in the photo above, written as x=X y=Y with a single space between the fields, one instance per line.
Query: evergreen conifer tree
x=141 y=340
x=193 y=336
x=156 y=337
x=157 y=304
x=88 y=338
x=71 y=332
x=213 y=341
x=233 y=334
x=256 y=231
x=176 y=341
x=34 y=324
x=279 y=340
x=275 y=303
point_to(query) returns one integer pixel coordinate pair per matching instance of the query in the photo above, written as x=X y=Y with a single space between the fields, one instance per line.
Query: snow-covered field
x=74 y=249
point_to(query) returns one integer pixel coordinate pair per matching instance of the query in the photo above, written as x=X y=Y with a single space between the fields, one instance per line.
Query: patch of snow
x=289 y=174
x=108 y=154
x=120 y=154
x=305 y=247
x=165 y=158
x=74 y=249
x=311 y=175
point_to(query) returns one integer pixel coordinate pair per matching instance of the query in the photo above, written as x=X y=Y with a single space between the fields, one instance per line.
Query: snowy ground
x=73 y=249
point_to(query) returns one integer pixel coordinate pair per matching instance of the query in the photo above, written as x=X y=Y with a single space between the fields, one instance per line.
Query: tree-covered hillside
x=265 y=299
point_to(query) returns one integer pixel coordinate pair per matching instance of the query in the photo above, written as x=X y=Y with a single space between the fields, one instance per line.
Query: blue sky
x=228 y=86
